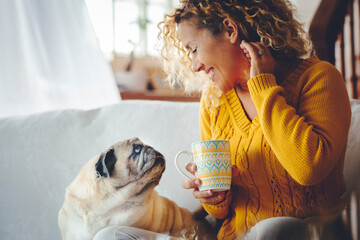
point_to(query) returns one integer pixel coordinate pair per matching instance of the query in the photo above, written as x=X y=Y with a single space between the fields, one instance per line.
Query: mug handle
x=176 y=162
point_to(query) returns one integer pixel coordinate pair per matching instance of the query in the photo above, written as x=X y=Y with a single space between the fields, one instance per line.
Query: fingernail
x=193 y=168
x=209 y=192
x=197 y=182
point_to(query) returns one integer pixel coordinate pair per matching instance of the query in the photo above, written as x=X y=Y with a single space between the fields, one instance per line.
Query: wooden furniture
x=157 y=89
x=161 y=94
x=334 y=31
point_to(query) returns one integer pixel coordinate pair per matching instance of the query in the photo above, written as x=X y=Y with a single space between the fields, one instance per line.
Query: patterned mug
x=213 y=162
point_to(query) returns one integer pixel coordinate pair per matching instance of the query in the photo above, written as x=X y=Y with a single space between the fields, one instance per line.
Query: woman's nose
x=197 y=66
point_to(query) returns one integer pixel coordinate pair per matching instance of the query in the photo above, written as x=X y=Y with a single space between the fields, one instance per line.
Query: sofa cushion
x=352 y=157
x=42 y=153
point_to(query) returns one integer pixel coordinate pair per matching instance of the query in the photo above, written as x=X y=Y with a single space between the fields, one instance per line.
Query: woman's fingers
x=191 y=167
x=191 y=183
x=250 y=49
x=260 y=57
x=209 y=197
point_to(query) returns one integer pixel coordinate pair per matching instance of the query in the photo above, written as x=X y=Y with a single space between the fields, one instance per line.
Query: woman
x=285 y=112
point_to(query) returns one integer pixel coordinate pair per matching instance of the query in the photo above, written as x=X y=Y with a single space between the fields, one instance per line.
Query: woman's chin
x=224 y=89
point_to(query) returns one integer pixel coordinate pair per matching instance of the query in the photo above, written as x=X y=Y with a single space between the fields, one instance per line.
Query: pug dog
x=116 y=188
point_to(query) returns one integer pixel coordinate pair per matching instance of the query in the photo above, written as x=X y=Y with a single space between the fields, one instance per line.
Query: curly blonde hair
x=270 y=22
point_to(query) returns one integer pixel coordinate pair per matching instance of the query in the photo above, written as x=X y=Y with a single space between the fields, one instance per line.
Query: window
x=123 y=26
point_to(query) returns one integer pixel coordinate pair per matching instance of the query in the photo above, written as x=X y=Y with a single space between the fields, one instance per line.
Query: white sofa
x=42 y=153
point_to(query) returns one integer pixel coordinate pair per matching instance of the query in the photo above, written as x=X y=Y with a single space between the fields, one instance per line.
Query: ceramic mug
x=213 y=162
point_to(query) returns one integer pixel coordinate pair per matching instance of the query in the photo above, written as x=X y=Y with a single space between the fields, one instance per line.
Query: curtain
x=50 y=58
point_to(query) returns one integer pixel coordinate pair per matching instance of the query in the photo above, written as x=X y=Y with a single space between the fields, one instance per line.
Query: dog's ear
x=106 y=163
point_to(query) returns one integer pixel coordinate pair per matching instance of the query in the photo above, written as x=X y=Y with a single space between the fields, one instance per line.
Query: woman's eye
x=195 y=50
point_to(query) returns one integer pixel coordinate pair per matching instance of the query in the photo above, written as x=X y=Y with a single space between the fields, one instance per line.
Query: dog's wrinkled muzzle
x=158 y=166
x=152 y=158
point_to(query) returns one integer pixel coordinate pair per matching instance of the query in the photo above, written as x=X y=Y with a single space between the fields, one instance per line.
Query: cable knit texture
x=291 y=155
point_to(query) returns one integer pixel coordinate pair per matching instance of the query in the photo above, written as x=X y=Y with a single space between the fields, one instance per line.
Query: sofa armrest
x=351 y=215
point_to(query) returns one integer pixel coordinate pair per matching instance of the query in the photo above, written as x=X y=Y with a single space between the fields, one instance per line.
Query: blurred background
x=85 y=54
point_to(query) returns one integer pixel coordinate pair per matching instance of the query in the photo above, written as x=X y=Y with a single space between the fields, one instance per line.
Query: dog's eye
x=137 y=148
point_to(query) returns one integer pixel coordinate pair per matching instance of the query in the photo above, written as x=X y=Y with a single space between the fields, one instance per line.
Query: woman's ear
x=231 y=30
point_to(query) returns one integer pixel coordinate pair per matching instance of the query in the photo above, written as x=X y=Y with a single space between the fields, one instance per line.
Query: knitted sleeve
x=220 y=210
x=308 y=140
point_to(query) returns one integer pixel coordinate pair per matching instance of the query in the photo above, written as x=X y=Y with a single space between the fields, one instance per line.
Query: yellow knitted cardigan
x=290 y=157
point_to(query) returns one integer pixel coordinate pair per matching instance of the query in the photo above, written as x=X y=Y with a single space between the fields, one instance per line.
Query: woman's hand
x=260 y=57
x=207 y=197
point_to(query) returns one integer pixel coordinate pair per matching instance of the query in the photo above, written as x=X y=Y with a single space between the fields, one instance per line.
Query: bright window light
x=123 y=26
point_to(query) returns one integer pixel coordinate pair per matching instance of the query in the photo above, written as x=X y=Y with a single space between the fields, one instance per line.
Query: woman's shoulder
x=314 y=65
x=311 y=73
x=313 y=70
x=320 y=77
x=319 y=70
